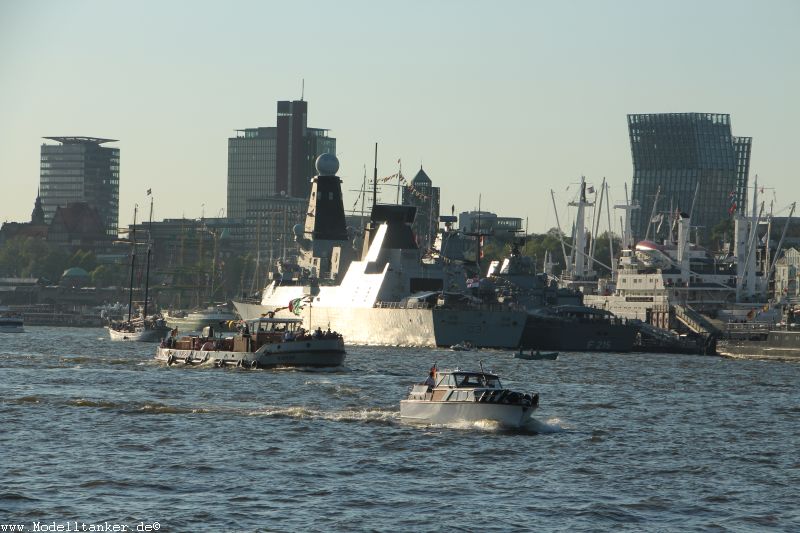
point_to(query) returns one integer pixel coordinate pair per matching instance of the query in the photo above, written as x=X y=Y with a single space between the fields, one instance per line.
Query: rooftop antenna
x=302 y=88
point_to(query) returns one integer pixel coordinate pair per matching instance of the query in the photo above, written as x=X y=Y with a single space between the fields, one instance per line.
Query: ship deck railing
x=747 y=330
x=403 y=305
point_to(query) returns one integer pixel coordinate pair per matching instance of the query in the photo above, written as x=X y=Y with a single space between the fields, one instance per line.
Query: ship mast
x=149 y=251
x=133 y=262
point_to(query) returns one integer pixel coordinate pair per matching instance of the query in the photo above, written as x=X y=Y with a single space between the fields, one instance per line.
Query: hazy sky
x=502 y=99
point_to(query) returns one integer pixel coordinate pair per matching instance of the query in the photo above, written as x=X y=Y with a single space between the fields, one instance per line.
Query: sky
x=500 y=102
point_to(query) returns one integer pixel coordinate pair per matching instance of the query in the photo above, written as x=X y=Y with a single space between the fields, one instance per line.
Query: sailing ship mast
x=133 y=262
x=149 y=251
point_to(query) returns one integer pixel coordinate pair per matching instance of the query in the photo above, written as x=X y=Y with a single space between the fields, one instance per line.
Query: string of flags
x=409 y=186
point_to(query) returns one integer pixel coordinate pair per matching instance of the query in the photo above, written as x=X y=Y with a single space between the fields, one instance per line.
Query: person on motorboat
x=430 y=381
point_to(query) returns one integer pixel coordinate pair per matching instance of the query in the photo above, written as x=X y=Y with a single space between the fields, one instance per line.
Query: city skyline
x=505 y=102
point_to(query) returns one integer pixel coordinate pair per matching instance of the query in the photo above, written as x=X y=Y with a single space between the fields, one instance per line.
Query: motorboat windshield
x=471 y=380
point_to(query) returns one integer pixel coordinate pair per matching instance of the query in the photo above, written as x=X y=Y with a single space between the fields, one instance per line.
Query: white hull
x=304 y=353
x=450 y=412
x=140 y=335
x=408 y=327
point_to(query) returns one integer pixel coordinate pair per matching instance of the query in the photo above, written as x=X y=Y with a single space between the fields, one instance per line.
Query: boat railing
x=402 y=305
x=748 y=330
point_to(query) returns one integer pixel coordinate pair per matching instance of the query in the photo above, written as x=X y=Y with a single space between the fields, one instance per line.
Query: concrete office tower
x=275 y=161
x=79 y=169
x=425 y=197
x=675 y=152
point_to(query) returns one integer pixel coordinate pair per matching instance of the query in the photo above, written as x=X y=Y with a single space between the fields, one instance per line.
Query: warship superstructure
x=390 y=295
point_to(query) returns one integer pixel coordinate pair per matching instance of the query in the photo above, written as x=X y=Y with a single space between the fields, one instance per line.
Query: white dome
x=327 y=165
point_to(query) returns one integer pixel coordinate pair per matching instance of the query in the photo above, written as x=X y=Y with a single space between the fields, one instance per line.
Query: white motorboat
x=262 y=343
x=11 y=322
x=461 y=396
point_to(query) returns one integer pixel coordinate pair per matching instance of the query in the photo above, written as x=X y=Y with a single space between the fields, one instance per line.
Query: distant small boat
x=536 y=356
x=464 y=346
x=10 y=322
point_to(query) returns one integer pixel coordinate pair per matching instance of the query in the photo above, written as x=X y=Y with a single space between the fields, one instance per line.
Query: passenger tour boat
x=265 y=342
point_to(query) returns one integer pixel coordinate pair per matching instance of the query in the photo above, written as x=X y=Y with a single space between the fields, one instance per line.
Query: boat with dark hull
x=555 y=319
x=536 y=355
x=777 y=344
x=11 y=322
x=763 y=341
x=577 y=328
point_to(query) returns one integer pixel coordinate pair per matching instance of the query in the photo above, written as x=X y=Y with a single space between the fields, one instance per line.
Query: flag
x=296 y=306
x=590 y=189
x=732 y=202
x=149 y=191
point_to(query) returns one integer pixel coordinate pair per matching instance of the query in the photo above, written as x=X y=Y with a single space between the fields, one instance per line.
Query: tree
x=722 y=232
x=601 y=252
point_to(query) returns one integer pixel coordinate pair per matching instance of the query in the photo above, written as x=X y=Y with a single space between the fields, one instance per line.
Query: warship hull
x=383 y=326
x=578 y=337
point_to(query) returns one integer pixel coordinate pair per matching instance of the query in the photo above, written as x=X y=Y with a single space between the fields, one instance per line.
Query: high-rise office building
x=275 y=161
x=673 y=153
x=251 y=168
x=422 y=194
x=81 y=170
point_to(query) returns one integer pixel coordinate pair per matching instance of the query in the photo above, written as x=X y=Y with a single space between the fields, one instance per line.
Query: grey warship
x=389 y=295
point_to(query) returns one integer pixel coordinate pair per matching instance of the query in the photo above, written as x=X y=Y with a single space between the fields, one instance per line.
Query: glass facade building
x=81 y=170
x=672 y=153
x=251 y=168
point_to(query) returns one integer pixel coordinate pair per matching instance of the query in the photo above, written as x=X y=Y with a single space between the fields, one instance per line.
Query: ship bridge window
x=478 y=380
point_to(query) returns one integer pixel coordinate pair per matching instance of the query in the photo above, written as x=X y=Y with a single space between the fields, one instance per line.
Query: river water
x=96 y=433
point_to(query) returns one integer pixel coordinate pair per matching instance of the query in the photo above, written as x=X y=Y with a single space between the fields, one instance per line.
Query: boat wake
x=552 y=425
x=370 y=416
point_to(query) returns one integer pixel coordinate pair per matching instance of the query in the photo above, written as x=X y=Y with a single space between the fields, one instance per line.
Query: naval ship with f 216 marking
x=390 y=296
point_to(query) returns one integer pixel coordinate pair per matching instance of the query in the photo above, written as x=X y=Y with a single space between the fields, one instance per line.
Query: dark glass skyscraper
x=675 y=152
x=275 y=161
x=270 y=166
x=80 y=170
